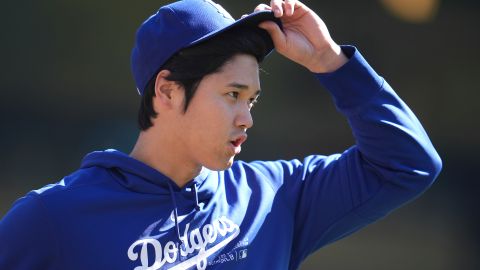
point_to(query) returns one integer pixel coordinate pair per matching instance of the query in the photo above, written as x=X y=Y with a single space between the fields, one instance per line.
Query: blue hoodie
x=117 y=213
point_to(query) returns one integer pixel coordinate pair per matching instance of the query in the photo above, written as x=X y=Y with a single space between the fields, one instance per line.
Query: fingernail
x=277 y=11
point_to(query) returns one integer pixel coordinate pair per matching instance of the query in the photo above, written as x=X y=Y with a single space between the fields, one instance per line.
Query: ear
x=166 y=92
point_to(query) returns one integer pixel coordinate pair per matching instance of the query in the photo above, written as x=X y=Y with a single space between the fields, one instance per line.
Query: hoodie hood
x=139 y=177
x=115 y=160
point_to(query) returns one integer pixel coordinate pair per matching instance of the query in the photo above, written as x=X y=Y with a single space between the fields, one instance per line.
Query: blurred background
x=66 y=90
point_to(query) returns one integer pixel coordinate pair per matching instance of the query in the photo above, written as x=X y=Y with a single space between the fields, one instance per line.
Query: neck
x=163 y=155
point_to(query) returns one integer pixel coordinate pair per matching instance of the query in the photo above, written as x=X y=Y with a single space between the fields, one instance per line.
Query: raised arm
x=392 y=162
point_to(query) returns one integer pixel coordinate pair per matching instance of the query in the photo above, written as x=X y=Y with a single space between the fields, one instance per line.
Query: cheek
x=216 y=125
x=209 y=122
x=210 y=118
x=216 y=141
x=216 y=114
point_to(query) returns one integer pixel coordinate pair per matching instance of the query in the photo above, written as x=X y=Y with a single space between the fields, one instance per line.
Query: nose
x=244 y=118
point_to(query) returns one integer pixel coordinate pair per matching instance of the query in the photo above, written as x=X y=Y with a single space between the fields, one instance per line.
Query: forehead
x=241 y=69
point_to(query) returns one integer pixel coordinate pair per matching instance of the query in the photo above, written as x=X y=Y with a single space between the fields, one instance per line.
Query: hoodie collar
x=140 y=177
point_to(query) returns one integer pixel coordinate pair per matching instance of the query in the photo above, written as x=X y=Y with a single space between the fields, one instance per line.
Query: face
x=211 y=131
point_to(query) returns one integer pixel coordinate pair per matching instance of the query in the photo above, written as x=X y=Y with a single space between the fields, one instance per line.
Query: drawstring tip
x=197 y=204
x=178 y=252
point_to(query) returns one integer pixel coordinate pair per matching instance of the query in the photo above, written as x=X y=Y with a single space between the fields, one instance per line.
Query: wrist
x=328 y=59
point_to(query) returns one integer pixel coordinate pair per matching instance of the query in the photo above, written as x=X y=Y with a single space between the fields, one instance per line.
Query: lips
x=236 y=143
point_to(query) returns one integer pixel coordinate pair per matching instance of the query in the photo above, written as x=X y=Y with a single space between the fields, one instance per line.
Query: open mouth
x=239 y=140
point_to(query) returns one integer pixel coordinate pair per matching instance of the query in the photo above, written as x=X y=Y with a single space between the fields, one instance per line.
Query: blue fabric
x=117 y=213
x=182 y=24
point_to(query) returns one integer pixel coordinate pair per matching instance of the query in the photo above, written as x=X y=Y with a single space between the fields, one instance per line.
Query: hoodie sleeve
x=392 y=162
x=26 y=237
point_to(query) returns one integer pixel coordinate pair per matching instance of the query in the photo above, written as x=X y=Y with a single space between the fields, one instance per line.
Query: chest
x=231 y=230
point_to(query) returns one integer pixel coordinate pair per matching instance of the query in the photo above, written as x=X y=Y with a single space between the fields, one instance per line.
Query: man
x=179 y=201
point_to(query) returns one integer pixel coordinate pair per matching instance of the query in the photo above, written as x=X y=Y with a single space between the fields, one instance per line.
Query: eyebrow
x=243 y=87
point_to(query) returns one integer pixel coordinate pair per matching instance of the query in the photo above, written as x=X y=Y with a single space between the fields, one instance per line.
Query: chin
x=220 y=166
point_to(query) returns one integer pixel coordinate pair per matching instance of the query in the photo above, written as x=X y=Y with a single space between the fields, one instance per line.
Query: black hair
x=188 y=66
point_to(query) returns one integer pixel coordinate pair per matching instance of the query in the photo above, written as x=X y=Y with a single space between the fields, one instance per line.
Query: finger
x=278 y=37
x=277 y=8
x=289 y=7
x=262 y=7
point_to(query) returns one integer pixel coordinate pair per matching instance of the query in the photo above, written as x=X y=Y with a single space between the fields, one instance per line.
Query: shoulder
x=56 y=199
x=82 y=178
x=278 y=171
x=26 y=229
x=286 y=167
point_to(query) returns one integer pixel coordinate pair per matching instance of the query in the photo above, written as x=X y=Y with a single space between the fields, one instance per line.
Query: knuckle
x=261 y=7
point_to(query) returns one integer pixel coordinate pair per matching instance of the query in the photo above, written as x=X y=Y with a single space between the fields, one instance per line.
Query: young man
x=179 y=201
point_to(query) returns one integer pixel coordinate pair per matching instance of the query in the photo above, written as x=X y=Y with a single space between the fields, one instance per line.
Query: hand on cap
x=305 y=38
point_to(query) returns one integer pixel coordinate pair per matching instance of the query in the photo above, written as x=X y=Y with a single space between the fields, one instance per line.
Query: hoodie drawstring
x=197 y=205
x=175 y=214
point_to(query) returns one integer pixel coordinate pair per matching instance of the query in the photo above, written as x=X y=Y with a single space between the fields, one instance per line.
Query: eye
x=233 y=94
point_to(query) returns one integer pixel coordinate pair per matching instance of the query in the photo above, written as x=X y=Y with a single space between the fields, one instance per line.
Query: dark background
x=66 y=90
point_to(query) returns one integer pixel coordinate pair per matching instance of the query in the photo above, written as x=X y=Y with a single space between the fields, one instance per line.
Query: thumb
x=277 y=35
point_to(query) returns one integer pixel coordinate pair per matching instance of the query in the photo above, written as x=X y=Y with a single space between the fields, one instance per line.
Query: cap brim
x=252 y=20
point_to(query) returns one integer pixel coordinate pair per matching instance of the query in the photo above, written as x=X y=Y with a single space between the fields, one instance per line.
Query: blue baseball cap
x=180 y=25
